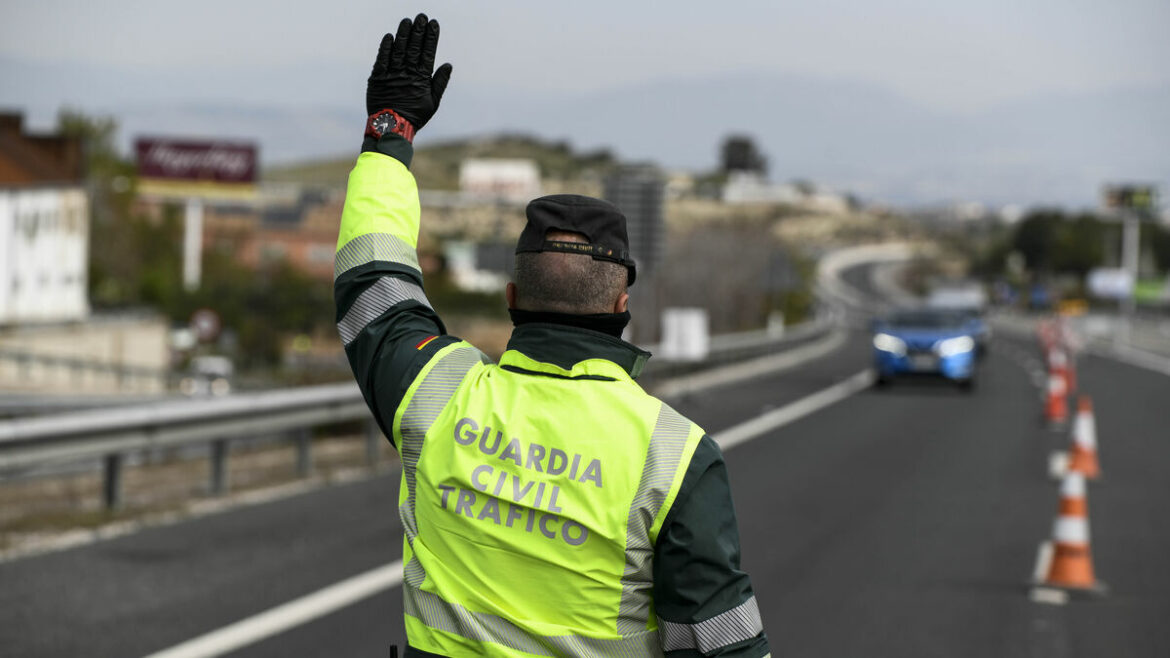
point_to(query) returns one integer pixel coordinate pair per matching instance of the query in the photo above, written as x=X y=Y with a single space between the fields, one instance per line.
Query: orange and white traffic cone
x=1071 y=567
x=1046 y=335
x=1066 y=360
x=1058 y=362
x=1056 y=404
x=1083 y=457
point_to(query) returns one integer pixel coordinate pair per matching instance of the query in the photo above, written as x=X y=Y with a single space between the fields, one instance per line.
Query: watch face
x=384 y=124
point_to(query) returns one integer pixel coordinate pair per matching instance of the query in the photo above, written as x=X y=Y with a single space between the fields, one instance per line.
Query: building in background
x=638 y=191
x=49 y=343
x=516 y=180
x=294 y=225
x=44 y=227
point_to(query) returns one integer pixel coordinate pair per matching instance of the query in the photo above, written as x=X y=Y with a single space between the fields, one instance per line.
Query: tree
x=1035 y=238
x=1158 y=238
x=115 y=250
x=739 y=153
x=1052 y=242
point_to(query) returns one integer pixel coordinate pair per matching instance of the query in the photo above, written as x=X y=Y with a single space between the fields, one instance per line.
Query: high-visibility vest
x=531 y=500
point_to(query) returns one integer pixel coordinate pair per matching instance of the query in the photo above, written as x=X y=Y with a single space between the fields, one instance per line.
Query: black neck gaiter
x=606 y=323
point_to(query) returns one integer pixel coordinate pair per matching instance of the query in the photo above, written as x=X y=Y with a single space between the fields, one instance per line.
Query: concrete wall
x=109 y=355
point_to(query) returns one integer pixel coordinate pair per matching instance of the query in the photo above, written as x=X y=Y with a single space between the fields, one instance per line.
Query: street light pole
x=1130 y=252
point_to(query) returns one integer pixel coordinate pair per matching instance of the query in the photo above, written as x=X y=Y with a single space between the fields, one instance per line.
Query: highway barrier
x=111 y=434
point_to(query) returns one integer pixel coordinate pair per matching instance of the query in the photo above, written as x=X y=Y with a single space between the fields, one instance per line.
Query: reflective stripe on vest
x=739 y=624
x=376 y=300
x=374 y=247
x=432 y=394
x=483 y=627
x=662 y=460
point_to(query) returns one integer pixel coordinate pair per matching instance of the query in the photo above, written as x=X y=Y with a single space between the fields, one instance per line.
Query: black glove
x=402 y=78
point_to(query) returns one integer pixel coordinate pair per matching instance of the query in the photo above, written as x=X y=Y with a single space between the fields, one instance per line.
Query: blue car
x=924 y=341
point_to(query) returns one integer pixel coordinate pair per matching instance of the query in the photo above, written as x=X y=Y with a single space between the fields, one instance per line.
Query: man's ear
x=510 y=295
x=622 y=303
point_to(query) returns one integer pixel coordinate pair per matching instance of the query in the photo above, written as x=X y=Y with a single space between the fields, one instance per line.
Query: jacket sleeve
x=703 y=600
x=387 y=325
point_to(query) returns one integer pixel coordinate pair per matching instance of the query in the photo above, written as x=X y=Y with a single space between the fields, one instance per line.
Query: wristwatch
x=389 y=122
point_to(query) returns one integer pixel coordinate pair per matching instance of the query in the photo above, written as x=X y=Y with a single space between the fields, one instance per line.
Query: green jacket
x=703 y=602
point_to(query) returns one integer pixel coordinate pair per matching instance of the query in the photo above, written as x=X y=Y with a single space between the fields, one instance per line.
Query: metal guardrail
x=111 y=434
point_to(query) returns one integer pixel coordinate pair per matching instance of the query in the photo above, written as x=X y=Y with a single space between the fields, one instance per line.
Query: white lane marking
x=760 y=366
x=1049 y=595
x=286 y=616
x=1057 y=464
x=750 y=429
x=1040 y=593
x=1043 y=562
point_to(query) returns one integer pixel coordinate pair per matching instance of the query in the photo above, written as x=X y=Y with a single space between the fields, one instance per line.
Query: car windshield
x=925 y=319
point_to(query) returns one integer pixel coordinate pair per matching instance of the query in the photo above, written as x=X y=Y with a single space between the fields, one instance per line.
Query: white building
x=750 y=187
x=44 y=245
x=44 y=227
x=515 y=180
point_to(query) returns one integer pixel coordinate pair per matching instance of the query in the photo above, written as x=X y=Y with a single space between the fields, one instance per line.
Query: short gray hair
x=567 y=283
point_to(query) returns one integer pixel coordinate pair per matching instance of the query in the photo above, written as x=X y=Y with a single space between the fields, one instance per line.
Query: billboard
x=1140 y=199
x=189 y=168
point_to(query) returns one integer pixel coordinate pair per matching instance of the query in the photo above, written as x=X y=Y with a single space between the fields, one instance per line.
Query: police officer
x=550 y=506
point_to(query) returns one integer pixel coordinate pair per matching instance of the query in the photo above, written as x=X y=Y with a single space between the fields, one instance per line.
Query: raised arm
x=384 y=319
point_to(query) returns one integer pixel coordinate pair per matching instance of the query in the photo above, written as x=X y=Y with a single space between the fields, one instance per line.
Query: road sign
x=206 y=324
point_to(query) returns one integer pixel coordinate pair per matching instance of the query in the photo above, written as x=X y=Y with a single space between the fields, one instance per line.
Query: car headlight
x=953 y=346
x=888 y=343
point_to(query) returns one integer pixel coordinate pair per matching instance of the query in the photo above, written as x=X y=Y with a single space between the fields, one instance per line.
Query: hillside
x=436 y=166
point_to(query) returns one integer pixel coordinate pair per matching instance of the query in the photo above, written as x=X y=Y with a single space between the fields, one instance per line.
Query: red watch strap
x=402 y=126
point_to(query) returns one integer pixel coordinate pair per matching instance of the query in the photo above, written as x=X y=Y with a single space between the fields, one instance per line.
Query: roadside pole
x=192 y=244
x=1130 y=251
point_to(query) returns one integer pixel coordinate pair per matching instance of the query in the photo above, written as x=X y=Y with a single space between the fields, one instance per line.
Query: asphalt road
x=896 y=522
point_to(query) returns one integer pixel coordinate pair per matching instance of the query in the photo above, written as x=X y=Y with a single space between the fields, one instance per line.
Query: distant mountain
x=1052 y=149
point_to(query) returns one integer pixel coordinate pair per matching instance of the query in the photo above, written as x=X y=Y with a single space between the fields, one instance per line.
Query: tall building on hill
x=638 y=191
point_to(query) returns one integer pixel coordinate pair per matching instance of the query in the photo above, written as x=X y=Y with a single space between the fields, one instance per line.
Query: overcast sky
x=953 y=57
x=949 y=54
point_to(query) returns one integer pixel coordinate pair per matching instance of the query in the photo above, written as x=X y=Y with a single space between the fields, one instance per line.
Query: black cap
x=599 y=221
